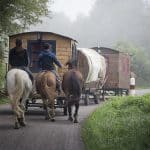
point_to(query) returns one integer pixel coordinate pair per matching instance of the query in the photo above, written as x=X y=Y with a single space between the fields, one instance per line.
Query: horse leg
x=52 y=110
x=45 y=103
x=70 y=111
x=76 y=112
x=16 y=111
x=52 y=105
x=21 y=120
x=22 y=112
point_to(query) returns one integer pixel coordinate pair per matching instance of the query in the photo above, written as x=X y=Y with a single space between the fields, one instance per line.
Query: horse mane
x=71 y=64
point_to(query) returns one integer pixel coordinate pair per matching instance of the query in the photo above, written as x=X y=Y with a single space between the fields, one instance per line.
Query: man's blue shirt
x=47 y=59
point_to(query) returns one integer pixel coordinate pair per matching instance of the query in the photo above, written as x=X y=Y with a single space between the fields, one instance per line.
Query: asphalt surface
x=139 y=92
x=40 y=134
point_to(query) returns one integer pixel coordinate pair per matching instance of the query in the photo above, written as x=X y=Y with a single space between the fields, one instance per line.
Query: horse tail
x=75 y=88
x=19 y=86
x=27 y=88
x=47 y=88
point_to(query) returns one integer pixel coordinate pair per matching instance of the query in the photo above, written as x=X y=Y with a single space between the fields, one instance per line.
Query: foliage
x=2 y=74
x=120 y=124
x=4 y=47
x=4 y=100
x=16 y=15
x=140 y=62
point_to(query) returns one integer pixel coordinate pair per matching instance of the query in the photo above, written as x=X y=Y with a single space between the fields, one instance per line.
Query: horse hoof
x=53 y=120
x=70 y=118
x=17 y=126
x=75 y=121
x=47 y=118
x=23 y=124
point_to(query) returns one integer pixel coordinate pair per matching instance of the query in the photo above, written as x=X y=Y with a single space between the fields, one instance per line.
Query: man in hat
x=18 y=58
x=46 y=61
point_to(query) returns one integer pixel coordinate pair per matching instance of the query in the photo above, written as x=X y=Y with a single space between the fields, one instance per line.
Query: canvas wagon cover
x=91 y=64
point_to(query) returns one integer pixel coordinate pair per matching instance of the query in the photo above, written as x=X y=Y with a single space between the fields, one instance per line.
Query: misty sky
x=73 y=8
x=100 y=22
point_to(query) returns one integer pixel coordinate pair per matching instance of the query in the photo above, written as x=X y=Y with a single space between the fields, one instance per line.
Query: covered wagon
x=93 y=67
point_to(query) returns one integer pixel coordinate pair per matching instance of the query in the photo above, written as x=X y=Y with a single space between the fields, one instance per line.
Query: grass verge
x=123 y=123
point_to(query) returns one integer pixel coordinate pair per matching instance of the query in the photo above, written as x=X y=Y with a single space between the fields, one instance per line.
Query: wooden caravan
x=118 y=70
x=64 y=47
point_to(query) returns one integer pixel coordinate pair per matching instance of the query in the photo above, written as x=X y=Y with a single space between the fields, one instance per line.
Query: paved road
x=140 y=92
x=40 y=134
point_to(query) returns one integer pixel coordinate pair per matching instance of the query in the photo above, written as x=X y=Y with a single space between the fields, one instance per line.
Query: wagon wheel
x=127 y=92
x=103 y=93
x=86 y=99
x=96 y=98
x=65 y=108
x=33 y=100
x=26 y=105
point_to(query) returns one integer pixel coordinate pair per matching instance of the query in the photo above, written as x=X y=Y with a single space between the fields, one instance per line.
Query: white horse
x=19 y=87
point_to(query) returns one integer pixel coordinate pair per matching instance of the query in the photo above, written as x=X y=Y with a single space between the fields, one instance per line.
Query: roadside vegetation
x=4 y=100
x=2 y=74
x=15 y=17
x=140 y=62
x=18 y=15
x=122 y=123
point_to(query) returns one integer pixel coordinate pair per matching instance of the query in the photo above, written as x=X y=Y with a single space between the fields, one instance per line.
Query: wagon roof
x=106 y=48
x=43 y=32
x=110 y=49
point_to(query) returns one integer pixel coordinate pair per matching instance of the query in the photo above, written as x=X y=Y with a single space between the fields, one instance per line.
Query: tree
x=17 y=15
x=140 y=62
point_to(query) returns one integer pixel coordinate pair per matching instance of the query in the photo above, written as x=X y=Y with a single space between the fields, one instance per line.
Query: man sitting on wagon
x=18 y=58
x=46 y=62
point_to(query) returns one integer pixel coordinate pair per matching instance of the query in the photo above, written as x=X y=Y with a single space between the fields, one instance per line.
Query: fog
x=110 y=21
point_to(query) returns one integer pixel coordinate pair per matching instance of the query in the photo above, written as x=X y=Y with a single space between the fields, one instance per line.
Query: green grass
x=4 y=100
x=123 y=123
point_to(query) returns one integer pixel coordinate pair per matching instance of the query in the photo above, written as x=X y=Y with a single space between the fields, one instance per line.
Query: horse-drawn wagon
x=93 y=67
x=118 y=71
x=64 y=47
x=105 y=71
x=108 y=70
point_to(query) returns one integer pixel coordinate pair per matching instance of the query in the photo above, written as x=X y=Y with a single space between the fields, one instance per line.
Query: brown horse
x=72 y=84
x=45 y=83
